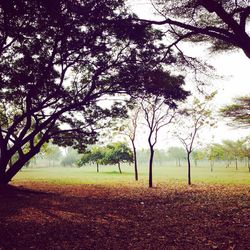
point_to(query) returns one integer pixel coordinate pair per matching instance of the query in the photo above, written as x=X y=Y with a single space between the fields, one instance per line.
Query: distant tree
x=156 y=115
x=194 y=119
x=234 y=150
x=198 y=155
x=116 y=153
x=238 y=112
x=246 y=151
x=221 y=24
x=51 y=152
x=215 y=152
x=71 y=157
x=177 y=153
x=94 y=155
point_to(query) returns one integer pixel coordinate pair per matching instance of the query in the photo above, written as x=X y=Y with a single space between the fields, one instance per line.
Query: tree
x=246 y=151
x=193 y=120
x=129 y=129
x=51 y=152
x=177 y=153
x=215 y=152
x=57 y=60
x=198 y=155
x=222 y=24
x=156 y=115
x=234 y=150
x=95 y=155
x=238 y=112
x=116 y=153
x=70 y=158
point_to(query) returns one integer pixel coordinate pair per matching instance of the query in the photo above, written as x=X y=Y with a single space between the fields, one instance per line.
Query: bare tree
x=193 y=119
x=156 y=115
x=131 y=133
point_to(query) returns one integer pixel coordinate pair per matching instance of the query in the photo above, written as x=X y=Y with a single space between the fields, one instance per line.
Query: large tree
x=221 y=23
x=57 y=60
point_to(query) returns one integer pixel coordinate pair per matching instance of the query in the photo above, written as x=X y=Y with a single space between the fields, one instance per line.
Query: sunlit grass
x=111 y=176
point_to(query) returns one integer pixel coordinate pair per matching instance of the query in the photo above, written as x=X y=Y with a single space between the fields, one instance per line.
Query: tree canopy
x=222 y=24
x=238 y=112
x=59 y=59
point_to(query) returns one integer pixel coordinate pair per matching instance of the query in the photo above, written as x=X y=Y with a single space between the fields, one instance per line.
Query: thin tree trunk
x=236 y=163
x=97 y=167
x=179 y=160
x=135 y=161
x=119 y=166
x=248 y=163
x=151 y=167
x=189 y=169
x=211 y=166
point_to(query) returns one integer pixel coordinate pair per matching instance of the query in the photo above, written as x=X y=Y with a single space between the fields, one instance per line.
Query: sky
x=234 y=69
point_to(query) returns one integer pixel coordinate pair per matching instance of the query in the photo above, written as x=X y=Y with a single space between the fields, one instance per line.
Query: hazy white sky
x=235 y=69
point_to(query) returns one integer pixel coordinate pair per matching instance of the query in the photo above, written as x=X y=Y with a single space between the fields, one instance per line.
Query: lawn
x=110 y=176
x=71 y=208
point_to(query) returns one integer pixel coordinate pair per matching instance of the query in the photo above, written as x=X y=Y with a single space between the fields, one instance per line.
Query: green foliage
x=117 y=152
x=95 y=155
x=229 y=150
x=238 y=112
x=176 y=153
x=113 y=153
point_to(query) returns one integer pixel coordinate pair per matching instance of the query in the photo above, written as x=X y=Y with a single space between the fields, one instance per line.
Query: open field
x=110 y=175
x=70 y=208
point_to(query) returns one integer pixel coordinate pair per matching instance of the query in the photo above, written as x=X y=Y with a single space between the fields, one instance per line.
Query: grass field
x=110 y=175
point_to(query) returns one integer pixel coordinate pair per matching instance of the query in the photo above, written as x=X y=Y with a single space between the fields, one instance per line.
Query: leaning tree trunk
x=4 y=161
x=189 y=168
x=119 y=166
x=135 y=161
x=150 y=179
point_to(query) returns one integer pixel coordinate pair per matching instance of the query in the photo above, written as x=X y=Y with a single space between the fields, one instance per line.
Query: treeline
x=229 y=153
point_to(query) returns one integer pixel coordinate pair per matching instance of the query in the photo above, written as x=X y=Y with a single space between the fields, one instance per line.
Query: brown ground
x=46 y=216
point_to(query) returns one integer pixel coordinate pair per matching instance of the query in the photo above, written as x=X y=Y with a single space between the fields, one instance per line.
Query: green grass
x=111 y=176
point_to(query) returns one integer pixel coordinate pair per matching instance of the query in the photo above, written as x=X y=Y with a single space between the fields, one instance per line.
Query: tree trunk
x=135 y=161
x=97 y=167
x=151 y=167
x=3 y=167
x=189 y=168
x=119 y=166
x=211 y=166
x=17 y=166
x=248 y=163
x=236 y=163
x=179 y=160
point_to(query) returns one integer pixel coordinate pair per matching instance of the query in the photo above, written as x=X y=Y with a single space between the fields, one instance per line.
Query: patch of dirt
x=46 y=216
